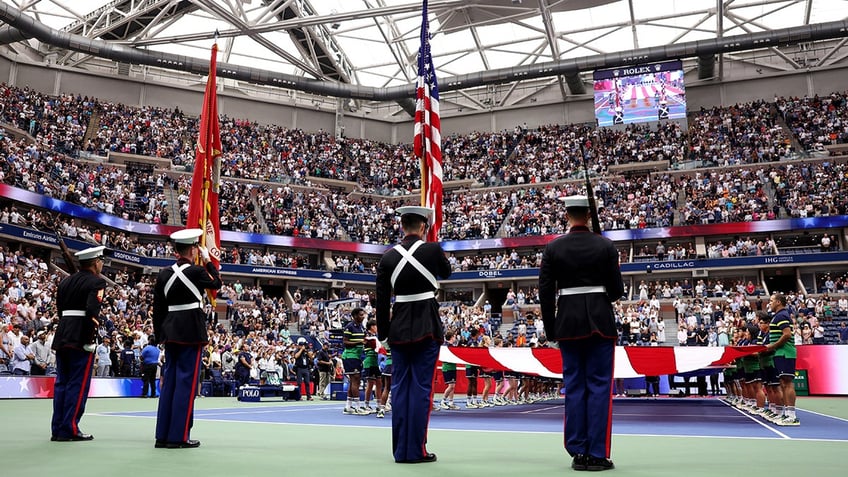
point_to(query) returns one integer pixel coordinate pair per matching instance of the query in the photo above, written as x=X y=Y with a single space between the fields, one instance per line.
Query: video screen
x=641 y=93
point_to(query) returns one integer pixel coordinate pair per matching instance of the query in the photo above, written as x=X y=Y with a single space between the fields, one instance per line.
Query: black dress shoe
x=579 y=462
x=430 y=457
x=189 y=444
x=599 y=463
x=160 y=444
x=78 y=437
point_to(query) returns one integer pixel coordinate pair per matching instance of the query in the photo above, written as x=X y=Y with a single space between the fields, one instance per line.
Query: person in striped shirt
x=449 y=375
x=781 y=331
x=353 y=341
x=769 y=374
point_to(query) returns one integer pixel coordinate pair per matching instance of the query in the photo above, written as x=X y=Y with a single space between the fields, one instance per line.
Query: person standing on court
x=180 y=324
x=579 y=280
x=149 y=366
x=413 y=330
x=78 y=300
x=782 y=345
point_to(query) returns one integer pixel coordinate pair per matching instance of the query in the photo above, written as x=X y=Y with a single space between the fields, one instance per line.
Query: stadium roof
x=375 y=42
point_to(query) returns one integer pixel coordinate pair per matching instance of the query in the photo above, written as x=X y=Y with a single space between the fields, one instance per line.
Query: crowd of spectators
x=739 y=134
x=263 y=325
x=298 y=213
x=816 y=121
x=729 y=195
x=811 y=190
x=741 y=247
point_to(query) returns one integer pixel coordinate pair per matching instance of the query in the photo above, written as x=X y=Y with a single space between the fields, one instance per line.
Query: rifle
x=66 y=253
x=590 y=193
x=72 y=268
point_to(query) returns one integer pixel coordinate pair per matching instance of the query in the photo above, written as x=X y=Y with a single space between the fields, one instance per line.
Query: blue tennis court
x=689 y=417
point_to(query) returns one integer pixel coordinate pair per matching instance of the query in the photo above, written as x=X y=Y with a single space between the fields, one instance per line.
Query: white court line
x=560 y=407
x=221 y=413
x=493 y=431
x=823 y=415
x=756 y=420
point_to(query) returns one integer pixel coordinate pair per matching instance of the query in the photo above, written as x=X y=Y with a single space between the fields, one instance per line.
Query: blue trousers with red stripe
x=70 y=390
x=413 y=369
x=587 y=367
x=179 y=387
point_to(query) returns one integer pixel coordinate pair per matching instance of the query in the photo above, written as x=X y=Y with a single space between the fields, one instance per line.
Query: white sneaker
x=453 y=407
x=380 y=414
x=790 y=421
x=471 y=405
x=349 y=410
x=362 y=411
x=444 y=405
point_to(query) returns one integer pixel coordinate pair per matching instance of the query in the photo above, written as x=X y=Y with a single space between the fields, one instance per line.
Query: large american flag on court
x=428 y=138
x=630 y=361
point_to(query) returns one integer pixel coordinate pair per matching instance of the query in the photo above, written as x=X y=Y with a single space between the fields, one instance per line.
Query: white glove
x=204 y=253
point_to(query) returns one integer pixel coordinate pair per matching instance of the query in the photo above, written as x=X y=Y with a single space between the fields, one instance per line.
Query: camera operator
x=302 y=364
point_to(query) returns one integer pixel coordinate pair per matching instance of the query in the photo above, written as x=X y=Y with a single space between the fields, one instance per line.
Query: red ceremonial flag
x=203 y=207
x=428 y=137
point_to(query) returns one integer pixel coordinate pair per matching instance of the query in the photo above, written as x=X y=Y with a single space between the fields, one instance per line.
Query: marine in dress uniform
x=579 y=280
x=180 y=323
x=413 y=329
x=78 y=300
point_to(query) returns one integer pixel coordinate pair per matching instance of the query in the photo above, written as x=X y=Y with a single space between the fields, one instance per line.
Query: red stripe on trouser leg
x=194 y=380
x=609 y=418
x=83 y=390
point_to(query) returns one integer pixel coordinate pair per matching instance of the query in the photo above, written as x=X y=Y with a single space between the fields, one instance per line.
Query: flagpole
x=204 y=213
x=422 y=163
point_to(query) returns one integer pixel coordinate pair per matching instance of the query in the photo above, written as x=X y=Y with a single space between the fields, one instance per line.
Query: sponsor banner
x=673 y=265
x=521 y=273
x=637 y=70
x=736 y=228
x=25 y=387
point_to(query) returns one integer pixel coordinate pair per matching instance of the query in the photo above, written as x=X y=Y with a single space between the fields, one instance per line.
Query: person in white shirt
x=44 y=361
x=818 y=334
x=23 y=357
x=842 y=304
x=104 y=361
x=661 y=331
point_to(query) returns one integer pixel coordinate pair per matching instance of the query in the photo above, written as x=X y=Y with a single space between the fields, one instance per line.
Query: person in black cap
x=78 y=300
x=579 y=280
x=413 y=329
x=325 y=369
x=179 y=323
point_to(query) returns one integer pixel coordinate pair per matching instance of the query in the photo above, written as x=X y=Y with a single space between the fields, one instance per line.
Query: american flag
x=428 y=138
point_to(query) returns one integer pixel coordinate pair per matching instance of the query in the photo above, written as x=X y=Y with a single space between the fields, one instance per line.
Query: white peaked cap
x=576 y=201
x=90 y=253
x=425 y=212
x=187 y=236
